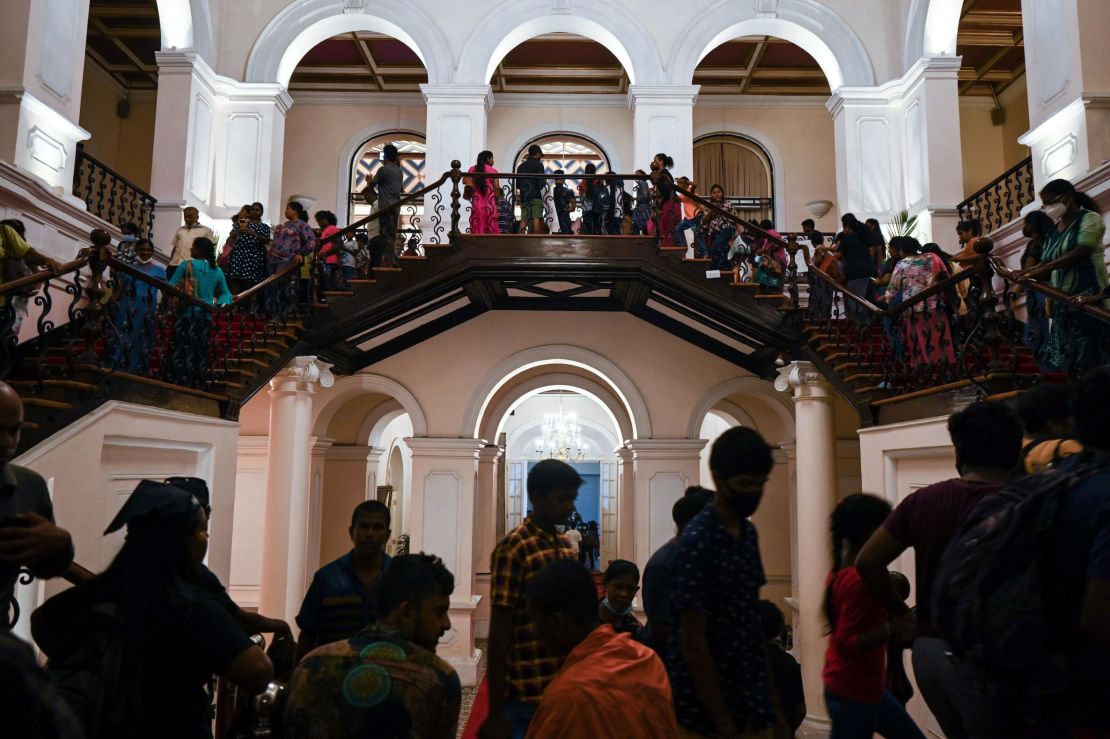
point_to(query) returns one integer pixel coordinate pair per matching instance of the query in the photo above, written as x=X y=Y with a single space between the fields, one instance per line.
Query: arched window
x=568 y=152
x=368 y=159
x=742 y=168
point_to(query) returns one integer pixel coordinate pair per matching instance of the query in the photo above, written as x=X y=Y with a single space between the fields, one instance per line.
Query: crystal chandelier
x=562 y=437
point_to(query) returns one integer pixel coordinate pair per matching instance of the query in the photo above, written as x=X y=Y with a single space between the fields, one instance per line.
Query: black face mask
x=742 y=504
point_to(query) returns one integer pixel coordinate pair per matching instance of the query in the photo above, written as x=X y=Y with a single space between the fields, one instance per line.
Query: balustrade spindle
x=456 y=176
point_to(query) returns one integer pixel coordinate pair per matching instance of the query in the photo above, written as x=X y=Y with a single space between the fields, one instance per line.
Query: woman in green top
x=193 y=324
x=1073 y=256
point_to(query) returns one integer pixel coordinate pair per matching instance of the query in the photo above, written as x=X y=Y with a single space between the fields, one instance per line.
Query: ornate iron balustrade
x=1001 y=201
x=111 y=196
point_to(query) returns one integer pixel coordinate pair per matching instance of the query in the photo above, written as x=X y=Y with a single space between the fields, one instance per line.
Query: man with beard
x=717 y=660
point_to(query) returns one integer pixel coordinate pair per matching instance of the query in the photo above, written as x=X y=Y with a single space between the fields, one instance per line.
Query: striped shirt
x=519 y=556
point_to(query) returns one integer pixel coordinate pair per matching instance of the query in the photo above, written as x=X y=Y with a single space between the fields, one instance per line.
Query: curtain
x=740 y=170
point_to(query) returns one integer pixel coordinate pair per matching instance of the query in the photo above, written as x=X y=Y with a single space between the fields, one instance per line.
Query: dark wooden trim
x=419 y=334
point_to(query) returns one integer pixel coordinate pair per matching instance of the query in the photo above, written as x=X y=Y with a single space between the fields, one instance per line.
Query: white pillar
x=626 y=505
x=815 y=446
x=441 y=518
x=662 y=469
x=663 y=121
x=456 y=129
x=40 y=88
x=1068 y=79
x=898 y=147
x=286 y=542
x=486 y=508
x=220 y=144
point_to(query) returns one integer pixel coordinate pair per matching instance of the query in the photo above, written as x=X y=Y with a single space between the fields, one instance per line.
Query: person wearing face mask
x=717 y=660
x=135 y=314
x=1073 y=259
x=622 y=582
x=1036 y=226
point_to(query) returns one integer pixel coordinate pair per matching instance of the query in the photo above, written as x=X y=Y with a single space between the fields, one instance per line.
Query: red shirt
x=927 y=520
x=852 y=673
x=331 y=250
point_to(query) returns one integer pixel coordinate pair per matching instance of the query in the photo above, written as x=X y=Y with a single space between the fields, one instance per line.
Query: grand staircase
x=77 y=357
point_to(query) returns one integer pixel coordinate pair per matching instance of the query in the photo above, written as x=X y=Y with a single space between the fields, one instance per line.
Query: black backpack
x=995 y=593
x=100 y=678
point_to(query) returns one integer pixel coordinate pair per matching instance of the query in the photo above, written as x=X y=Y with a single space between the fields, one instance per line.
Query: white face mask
x=1055 y=211
x=146 y=261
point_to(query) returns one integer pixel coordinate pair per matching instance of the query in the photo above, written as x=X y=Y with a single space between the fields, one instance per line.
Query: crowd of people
x=1009 y=636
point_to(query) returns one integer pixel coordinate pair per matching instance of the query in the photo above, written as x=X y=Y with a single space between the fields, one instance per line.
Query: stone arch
x=590 y=428
x=370 y=432
x=608 y=22
x=351 y=148
x=761 y=389
x=300 y=26
x=493 y=420
x=931 y=29
x=186 y=24
x=778 y=170
x=829 y=40
x=350 y=387
x=608 y=146
x=607 y=373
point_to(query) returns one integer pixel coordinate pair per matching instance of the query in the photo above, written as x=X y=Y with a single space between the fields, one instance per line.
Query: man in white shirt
x=182 y=244
x=575 y=537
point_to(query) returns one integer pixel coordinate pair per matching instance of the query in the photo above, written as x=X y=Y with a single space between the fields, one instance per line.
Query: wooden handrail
x=75 y=574
x=44 y=275
x=382 y=211
x=746 y=225
x=1048 y=291
x=172 y=290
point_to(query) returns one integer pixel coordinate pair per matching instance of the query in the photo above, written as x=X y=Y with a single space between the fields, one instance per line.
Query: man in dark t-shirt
x=28 y=536
x=987 y=438
x=531 y=190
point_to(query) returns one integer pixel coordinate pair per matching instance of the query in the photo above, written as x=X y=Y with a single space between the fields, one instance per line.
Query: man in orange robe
x=609 y=685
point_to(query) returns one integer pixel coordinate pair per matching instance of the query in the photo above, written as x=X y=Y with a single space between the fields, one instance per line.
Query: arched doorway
x=368 y=159
x=569 y=152
x=742 y=168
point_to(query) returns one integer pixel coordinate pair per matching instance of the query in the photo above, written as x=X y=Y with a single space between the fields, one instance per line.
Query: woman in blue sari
x=135 y=314
x=193 y=324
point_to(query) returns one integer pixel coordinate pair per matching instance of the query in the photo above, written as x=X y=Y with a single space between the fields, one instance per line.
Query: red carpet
x=478 y=711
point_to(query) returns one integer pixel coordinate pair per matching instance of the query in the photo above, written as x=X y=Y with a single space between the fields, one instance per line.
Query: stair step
x=746 y=285
x=672 y=249
x=437 y=246
x=413 y=256
x=864 y=377
x=228 y=384
x=386 y=269
x=704 y=260
x=322 y=306
x=44 y=403
x=361 y=282
x=67 y=384
x=339 y=293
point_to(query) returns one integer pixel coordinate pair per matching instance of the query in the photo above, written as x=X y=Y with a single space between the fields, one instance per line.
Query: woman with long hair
x=1074 y=260
x=670 y=212
x=203 y=280
x=151 y=611
x=856 y=694
x=484 y=193
x=587 y=195
x=927 y=331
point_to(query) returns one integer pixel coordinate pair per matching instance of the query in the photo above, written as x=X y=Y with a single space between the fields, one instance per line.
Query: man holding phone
x=28 y=536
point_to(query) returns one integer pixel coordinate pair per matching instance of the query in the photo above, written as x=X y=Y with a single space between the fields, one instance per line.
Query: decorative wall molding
x=327 y=404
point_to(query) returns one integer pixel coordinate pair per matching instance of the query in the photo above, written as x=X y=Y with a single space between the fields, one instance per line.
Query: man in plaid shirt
x=517 y=670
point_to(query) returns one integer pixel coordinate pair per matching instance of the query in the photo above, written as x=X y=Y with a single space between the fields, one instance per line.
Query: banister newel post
x=456 y=176
x=792 y=269
x=95 y=291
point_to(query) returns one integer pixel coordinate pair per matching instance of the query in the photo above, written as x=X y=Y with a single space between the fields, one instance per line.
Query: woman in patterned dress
x=928 y=333
x=247 y=265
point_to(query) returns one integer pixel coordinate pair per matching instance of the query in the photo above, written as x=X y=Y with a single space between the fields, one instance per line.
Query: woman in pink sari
x=483 y=196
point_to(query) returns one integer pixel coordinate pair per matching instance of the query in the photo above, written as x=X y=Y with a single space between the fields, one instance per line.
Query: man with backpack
x=987 y=440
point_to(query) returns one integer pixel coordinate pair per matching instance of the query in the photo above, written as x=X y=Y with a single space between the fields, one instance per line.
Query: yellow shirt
x=12 y=246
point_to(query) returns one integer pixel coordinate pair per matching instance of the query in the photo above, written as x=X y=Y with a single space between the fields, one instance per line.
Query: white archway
x=370 y=432
x=834 y=45
x=186 y=24
x=762 y=389
x=606 y=371
x=352 y=147
x=608 y=146
x=493 y=421
x=608 y=22
x=778 y=169
x=600 y=434
x=348 y=388
x=931 y=29
x=300 y=26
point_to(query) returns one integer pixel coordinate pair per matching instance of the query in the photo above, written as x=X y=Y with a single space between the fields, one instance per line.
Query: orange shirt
x=609 y=686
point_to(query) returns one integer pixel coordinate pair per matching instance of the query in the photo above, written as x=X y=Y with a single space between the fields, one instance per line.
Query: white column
x=485 y=507
x=626 y=504
x=1068 y=79
x=790 y=451
x=898 y=147
x=40 y=88
x=663 y=121
x=456 y=129
x=662 y=469
x=318 y=458
x=441 y=518
x=285 y=544
x=815 y=446
x=220 y=144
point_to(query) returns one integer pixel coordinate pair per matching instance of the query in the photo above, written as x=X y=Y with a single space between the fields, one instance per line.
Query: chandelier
x=562 y=437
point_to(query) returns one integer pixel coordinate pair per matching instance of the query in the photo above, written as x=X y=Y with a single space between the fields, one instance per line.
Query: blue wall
x=589 y=495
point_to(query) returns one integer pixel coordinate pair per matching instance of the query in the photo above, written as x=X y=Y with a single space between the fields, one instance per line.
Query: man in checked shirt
x=517 y=670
